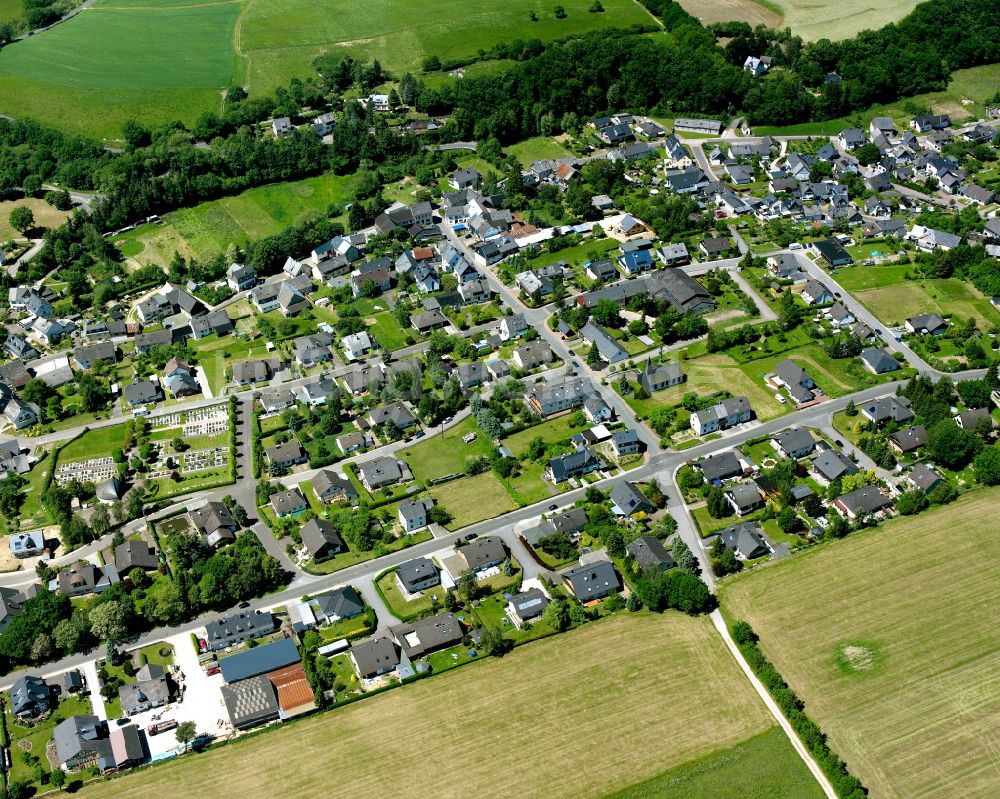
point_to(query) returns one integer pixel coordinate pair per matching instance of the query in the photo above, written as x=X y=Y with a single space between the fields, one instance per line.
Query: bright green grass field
x=117 y=61
x=208 y=228
x=762 y=767
x=280 y=40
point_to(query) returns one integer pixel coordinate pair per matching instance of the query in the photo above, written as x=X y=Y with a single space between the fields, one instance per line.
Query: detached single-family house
x=321 y=539
x=417 y=575
x=867 y=501
x=926 y=324
x=288 y=503
x=745 y=540
x=815 y=293
x=526 y=606
x=878 y=361
x=908 y=439
x=593 y=580
x=887 y=409
x=745 y=498
x=830 y=464
x=357 y=345
x=650 y=555
x=413 y=515
x=626 y=499
x=795 y=443
x=581 y=461
x=331 y=487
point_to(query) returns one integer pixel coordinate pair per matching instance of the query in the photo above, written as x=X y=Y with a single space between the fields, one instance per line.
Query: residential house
x=240 y=277
x=815 y=293
x=18 y=347
x=417 y=575
x=30 y=697
x=82 y=741
x=357 y=345
x=424 y=636
x=217 y=322
x=625 y=442
x=513 y=326
x=839 y=315
x=650 y=555
x=722 y=416
x=592 y=580
x=29 y=300
x=830 y=464
x=312 y=349
x=526 y=606
x=481 y=554
x=472 y=374
x=531 y=355
x=610 y=350
x=796 y=380
x=233 y=630
x=852 y=138
x=90 y=355
x=723 y=466
x=465 y=179
x=288 y=503
x=331 y=487
x=924 y=477
x=285 y=455
x=745 y=540
x=351 y=442
x=318 y=392
x=158 y=338
x=715 y=247
x=341 y=603
x=215 y=523
x=674 y=286
x=135 y=555
x=426 y=321
x=321 y=540
x=583 y=460
x=745 y=498
x=554 y=396
x=795 y=443
x=861 y=502
x=413 y=515
x=26 y=545
x=926 y=324
x=382 y=471
x=374 y=657
x=475 y=291
x=364 y=378
x=878 y=360
x=673 y=254
x=627 y=499
x=972 y=419
x=151 y=689
x=395 y=412
x=179 y=379
x=84 y=578
x=909 y=439
x=142 y=392
x=887 y=409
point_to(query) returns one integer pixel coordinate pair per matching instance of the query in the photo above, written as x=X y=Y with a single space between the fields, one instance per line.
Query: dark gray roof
x=250 y=701
x=319 y=534
x=483 y=551
x=864 y=500
x=879 y=360
x=833 y=464
x=343 y=603
x=259 y=660
x=627 y=497
x=327 y=481
x=745 y=540
x=287 y=501
x=721 y=466
x=427 y=635
x=593 y=580
x=649 y=553
x=238 y=627
x=910 y=438
x=571 y=521
x=529 y=604
x=375 y=656
x=415 y=572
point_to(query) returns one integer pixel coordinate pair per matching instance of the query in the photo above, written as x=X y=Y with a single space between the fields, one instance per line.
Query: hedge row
x=844 y=783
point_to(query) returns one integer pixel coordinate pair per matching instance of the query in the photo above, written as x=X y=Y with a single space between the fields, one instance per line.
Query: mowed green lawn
x=120 y=60
x=279 y=40
x=889 y=639
x=208 y=228
x=893 y=302
x=581 y=714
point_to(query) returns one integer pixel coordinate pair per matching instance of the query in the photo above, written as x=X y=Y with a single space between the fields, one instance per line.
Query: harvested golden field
x=577 y=715
x=890 y=638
